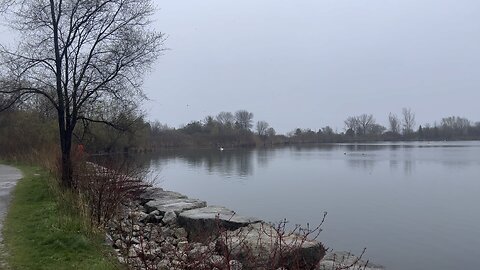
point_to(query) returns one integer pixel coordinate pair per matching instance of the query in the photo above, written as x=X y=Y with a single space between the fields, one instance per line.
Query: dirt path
x=8 y=178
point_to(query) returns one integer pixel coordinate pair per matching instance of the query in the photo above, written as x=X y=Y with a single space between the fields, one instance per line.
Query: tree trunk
x=67 y=170
x=67 y=165
x=62 y=110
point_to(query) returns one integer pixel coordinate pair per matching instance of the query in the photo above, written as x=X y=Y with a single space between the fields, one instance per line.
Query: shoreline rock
x=207 y=220
x=168 y=230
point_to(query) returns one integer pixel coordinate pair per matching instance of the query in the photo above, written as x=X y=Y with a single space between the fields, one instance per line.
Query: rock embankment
x=168 y=230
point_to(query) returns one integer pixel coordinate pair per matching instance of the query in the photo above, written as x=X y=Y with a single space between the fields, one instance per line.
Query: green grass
x=44 y=231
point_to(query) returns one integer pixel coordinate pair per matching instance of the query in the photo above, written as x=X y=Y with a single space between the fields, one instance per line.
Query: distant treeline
x=24 y=129
x=365 y=128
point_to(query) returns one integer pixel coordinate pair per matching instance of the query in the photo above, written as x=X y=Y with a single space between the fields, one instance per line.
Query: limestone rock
x=119 y=244
x=150 y=194
x=134 y=240
x=154 y=217
x=182 y=245
x=170 y=218
x=235 y=265
x=180 y=233
x=163 y=265
x=207 y=220
x=172 y=201
x=217 y=259
x=138 y=215
x=132 y=252
x=258 y=240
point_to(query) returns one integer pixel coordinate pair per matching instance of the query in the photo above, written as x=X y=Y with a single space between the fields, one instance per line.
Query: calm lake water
x=412 y=205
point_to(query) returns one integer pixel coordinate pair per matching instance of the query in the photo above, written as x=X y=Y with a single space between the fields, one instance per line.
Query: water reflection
x=264 y=156
x=243 y=162
x=408 y=167
x=313 y=147
x=364 y=164
x=393 y=164
x=228 y=163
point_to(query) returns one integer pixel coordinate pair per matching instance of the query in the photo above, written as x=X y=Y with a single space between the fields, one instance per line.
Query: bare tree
x=262 y=128
x=352 y=123
x=244 y=119
x=225 y=118
x=362 y=125
x=365 y=122
x=394 y=123
x=408 y=121
x=456 y=124
x=86 y=58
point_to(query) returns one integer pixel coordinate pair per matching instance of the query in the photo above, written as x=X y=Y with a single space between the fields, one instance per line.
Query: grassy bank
x=43 y=230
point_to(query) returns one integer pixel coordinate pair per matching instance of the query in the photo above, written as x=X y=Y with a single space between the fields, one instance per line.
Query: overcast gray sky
x=311 y=63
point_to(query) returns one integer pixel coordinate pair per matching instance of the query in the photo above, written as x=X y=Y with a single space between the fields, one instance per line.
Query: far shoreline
x=251 y=147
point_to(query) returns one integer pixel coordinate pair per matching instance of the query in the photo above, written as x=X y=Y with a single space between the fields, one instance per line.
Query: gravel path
x=8 y=178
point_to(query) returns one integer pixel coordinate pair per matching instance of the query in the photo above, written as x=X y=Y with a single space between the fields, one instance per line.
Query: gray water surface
x=412 y=205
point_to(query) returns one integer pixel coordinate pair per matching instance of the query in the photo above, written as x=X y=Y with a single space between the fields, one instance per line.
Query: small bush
x=104 y=190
